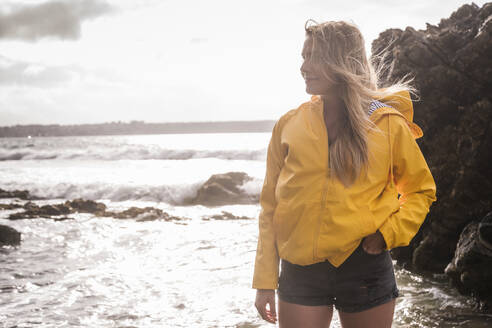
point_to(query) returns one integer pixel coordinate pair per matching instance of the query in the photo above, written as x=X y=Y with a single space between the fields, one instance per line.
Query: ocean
x=92 y=271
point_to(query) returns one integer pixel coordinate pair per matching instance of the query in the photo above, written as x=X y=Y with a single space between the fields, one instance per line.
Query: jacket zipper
x=324 y=190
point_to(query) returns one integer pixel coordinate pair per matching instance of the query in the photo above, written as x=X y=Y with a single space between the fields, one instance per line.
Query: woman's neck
x=333 y=108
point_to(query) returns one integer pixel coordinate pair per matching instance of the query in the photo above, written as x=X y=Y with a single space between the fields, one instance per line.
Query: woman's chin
x=312 y=91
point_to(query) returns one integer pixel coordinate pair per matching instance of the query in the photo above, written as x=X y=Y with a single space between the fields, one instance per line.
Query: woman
x=345 y=183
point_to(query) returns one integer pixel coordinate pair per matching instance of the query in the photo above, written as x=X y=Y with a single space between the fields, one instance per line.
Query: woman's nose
x=307 y=68
x=304 y=69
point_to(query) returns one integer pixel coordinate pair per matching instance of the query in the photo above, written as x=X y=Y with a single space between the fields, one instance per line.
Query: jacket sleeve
x=267 y=260
x=414 y=183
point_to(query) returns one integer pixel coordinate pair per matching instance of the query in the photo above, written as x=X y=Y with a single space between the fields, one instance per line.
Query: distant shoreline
x=134 y=127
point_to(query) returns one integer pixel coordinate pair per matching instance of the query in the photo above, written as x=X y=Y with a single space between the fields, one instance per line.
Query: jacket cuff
x=259 y=286
x=388 y=233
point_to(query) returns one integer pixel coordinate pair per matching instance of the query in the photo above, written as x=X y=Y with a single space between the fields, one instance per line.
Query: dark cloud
x=31 y=74
x=57 y=19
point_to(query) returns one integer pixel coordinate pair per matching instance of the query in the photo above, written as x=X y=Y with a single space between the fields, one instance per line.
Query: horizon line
x=136 y=122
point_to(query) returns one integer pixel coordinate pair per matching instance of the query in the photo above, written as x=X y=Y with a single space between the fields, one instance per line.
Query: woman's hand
x=374 y=243
x=264 y=297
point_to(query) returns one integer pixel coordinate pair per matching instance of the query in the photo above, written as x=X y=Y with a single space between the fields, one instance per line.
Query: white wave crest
x=129 y=153
x=174 y=194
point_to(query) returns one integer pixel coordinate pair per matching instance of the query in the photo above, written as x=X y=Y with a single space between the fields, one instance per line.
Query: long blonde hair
x=339 y=46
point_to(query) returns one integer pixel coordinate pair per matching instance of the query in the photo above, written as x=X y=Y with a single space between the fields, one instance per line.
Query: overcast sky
x=94 y=61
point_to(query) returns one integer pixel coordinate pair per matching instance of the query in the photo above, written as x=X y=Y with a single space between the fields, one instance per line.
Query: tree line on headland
x=134 y=127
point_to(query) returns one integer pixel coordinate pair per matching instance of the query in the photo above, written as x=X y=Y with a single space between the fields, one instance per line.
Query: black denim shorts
x=363 y=281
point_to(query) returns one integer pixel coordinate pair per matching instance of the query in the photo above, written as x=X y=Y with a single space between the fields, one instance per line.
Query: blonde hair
x=339 y=46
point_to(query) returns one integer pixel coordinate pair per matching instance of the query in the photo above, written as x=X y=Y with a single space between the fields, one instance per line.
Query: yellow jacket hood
x=401 y=104
x=307 y=216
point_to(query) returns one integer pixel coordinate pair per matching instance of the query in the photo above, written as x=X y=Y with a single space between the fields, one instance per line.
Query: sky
x=96 y=61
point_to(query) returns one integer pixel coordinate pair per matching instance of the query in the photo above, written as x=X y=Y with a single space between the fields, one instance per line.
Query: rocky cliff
x=452 y=67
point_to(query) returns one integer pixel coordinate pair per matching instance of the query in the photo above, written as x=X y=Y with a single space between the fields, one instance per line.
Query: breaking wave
x=128 y=153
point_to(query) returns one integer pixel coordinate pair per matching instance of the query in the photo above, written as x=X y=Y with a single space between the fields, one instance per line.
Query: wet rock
x=30 y=206
x=471 y=268
x=143 y=214
x=57 y=209
x=452 y=68
x=9 y=236
x=64 y=218
x=162 y=216
x=32 y=211
x=18 y=216
x=58 y=212
x=224 y=189
x=21 y=194
x=10 y=206
x=225 y=216
x=86 y=206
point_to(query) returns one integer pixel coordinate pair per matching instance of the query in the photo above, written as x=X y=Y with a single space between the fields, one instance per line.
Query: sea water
x=105 y=272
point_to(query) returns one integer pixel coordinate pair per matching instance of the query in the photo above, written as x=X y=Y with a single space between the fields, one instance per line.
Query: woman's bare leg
x=378 y=317
x=301 y=316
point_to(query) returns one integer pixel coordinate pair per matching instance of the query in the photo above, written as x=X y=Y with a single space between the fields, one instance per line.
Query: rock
x=86 y=206
x=64 y=218
x=135 y=212
x=33 y=211
x=163 y=216
x=18 y=216
x=22 y=194
x=9 y=236
x=143 y=214
x=58 y=209
x=471 y=268
x=485 y=231
x=226 y=216
x=30 y=206
x=223 y=189
x=10 y=206
x=58 y=212
x=452 y=68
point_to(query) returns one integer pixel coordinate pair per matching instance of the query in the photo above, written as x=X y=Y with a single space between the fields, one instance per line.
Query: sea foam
x=128 y=152
x=174 y=194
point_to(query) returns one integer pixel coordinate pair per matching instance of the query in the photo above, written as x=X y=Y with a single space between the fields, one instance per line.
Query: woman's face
x=316 y=82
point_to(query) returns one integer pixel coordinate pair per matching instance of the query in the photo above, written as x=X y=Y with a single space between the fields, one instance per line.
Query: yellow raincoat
x=308 y=217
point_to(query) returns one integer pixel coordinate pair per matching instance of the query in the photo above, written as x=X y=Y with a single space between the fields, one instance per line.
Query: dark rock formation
x=31 y=210
x=143 y=214
x=471 y=268
x=9 y=236
x=223 y=189
x=452 y=69
x=86 y=206
x=10 y=206
x=21 y=194
x=226 y=216
x=58 y=212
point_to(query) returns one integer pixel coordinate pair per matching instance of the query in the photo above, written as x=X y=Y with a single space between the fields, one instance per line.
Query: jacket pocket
x=293 y=224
